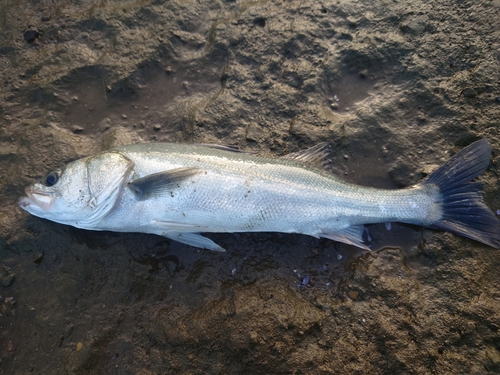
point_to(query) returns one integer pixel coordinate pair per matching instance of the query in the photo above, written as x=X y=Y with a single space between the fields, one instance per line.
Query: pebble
x=8 y=280
x=157 y=127
x=77 y=129
x=30 y=35
x=353 y=295
x=8 y=277
x=79 y=346
x=38 y=259
x=469 y=92
x=305 y=281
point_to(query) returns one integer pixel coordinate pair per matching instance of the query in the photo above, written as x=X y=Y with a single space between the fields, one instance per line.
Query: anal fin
x=352 y=235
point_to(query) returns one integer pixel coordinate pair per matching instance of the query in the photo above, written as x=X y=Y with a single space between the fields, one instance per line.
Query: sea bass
x=181 y=190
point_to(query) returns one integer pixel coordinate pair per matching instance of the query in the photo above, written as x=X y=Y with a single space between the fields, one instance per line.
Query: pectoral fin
x=352 y=235
x=195 y=240
x=161 y=183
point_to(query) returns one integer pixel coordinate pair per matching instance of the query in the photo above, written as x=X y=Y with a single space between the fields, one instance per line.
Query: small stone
x=353 y=295
x=171 y=267
x=441 y=350
x=77 y=129
x=8 y=280
x=497 y=99
x=45 y=19
x=79 y=346
x=157 y=127
x=421 y=118
x=469 y=92
x=30 y=35
x=105 y=124
x=379 y=298
x=124 y=116
x=38 y=259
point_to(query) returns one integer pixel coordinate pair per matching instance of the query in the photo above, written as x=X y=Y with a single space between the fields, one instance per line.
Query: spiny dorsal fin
x=160 y=183
x=230 y=148
x=317 y=156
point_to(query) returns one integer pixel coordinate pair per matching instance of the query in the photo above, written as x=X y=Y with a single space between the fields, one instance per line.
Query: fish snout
x=41 y=199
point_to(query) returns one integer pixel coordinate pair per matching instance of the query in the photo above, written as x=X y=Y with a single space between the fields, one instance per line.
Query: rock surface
x=396 y=87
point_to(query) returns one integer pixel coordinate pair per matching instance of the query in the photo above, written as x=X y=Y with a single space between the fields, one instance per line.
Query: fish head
x=82 y=192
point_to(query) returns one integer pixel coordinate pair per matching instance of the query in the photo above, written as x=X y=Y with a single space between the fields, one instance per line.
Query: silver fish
x=180 y=190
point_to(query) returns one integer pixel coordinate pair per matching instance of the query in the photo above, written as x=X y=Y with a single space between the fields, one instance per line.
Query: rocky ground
x=396 y=86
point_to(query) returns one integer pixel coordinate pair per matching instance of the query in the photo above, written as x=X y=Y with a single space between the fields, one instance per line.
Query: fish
x=180 y=190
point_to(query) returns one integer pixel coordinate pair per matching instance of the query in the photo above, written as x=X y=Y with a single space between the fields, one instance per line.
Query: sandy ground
x=396 y=86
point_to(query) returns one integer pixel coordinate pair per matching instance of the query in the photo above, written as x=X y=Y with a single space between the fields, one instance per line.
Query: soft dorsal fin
x=317 y=156
x=160 y=183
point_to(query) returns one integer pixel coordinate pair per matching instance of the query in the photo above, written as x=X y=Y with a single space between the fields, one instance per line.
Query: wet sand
x=396 y=87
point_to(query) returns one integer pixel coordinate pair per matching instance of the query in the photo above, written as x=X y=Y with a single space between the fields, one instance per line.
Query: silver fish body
x=180 y=190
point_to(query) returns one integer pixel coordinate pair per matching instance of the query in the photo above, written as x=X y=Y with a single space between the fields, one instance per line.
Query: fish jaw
x=36 y=200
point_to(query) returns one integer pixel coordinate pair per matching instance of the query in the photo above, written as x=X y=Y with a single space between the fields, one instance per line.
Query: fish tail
x=463 y=210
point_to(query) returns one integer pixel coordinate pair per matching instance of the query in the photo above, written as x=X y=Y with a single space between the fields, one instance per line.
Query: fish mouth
x=40 y=199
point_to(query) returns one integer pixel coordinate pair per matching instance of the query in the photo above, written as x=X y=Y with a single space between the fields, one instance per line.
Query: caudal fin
x=464 y=212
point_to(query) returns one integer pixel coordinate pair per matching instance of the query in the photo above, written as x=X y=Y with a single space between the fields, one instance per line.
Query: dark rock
x=469 y=92
x=8 y=277
x=31 y=35
x=38 y=259
x=260 y=21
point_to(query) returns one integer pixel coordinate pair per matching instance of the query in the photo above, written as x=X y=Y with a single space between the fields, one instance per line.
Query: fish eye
x=52 y=178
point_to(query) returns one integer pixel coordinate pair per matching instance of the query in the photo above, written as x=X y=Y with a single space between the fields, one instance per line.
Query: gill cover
x=107 y=173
